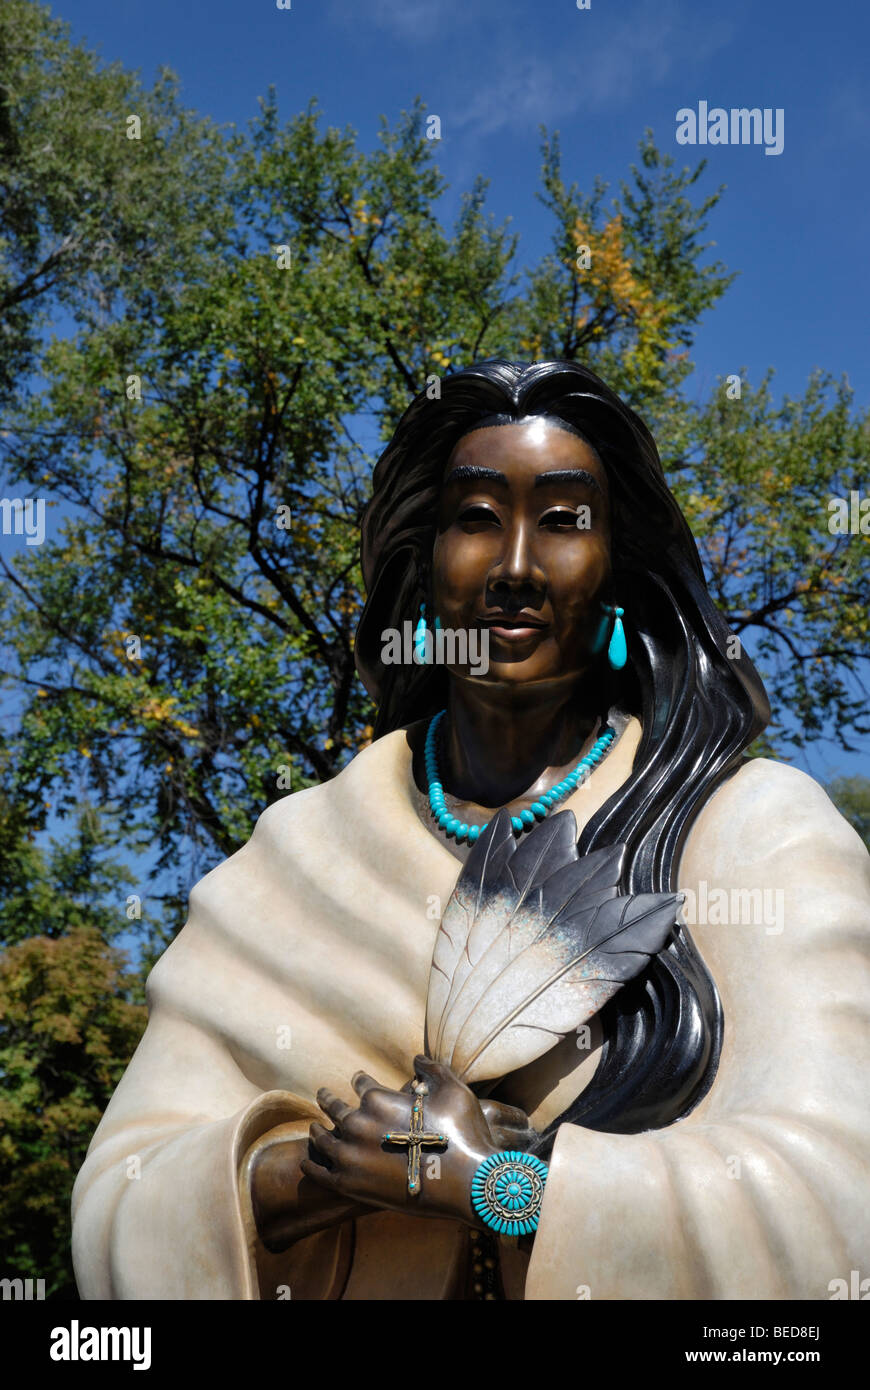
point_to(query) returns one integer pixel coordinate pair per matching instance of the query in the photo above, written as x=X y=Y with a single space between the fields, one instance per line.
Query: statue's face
x=523 y=549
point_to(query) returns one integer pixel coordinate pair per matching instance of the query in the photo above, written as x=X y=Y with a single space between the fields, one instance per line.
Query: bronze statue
x=475 y=935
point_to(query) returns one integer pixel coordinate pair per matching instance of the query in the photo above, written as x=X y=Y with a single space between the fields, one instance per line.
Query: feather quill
x=532 y=943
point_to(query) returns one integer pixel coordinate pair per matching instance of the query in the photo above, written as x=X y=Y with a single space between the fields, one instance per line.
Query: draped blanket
x=307 y=956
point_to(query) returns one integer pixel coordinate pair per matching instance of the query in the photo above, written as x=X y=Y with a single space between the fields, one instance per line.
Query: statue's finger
x=324 y=1177
x=505 y=1116
x=333 y=1106
x=325 y=1141
x=362 y=1082
x=430 y=1070
x=513 y=1138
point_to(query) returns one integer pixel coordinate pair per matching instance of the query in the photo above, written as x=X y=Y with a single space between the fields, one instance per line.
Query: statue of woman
x=439 y=1030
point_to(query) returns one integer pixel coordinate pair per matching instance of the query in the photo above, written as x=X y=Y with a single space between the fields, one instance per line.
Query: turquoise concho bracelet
x=507 y=1192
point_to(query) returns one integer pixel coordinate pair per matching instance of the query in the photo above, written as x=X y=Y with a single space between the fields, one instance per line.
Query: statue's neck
x=503 y=746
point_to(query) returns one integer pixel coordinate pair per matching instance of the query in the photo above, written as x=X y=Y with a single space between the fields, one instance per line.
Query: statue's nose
x=518 y=566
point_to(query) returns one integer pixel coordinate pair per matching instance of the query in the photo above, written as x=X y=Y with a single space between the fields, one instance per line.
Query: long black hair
x=700 y=701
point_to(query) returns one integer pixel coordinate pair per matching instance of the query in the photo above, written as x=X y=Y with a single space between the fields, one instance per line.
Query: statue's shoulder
x=373 y=774
x=297 y=826
x=302 y=847
x=769 y=808
x=760 y=784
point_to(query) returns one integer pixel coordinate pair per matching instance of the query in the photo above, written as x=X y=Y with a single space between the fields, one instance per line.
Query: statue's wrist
x=506 y=1192
x=467 y=1165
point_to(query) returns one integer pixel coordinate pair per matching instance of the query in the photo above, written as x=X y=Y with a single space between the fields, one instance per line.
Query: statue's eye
x=560 y=518
x=478 y=515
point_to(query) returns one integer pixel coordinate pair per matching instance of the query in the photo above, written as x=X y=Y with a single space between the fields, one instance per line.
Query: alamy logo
x=742 y=907
x=855 y=1288
x=76 y=1343
x=444 y=647
x=850 y=517
x=742 y=125
x=22 y=1289
x=24 y=517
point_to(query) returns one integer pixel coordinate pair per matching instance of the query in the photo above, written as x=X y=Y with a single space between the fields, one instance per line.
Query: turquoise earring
x=617 y=651
x=420 y=632
x=420 y=637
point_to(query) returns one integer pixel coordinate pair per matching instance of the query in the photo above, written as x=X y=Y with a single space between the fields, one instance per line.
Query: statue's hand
x=363 y=1167
x=508 y=1125
x=288 y=1206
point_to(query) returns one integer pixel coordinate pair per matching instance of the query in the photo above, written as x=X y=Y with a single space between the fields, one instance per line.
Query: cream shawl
x=306 y=957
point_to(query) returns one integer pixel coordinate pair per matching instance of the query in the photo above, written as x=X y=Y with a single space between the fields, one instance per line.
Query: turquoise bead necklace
x=451 y=825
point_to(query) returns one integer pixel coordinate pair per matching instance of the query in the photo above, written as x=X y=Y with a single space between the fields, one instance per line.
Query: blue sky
x=794 y=224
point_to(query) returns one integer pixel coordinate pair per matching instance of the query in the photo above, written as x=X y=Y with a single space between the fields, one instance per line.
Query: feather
x=472 y=903
x=494 y=884
x=533 y=942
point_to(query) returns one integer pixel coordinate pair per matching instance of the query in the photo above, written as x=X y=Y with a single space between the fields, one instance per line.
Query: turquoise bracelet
x=507 y=1192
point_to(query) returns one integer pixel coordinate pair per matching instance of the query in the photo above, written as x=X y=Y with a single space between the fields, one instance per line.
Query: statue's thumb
x=431 y=1070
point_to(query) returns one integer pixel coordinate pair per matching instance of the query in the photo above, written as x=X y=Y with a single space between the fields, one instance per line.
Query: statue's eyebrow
x=568 y=475
x=472 y=472
x=469 y=472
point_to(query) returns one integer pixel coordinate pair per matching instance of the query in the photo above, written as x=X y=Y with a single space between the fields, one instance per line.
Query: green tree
x=69 y=1022
x=851 y=796
x=755 y=482
x=194 y=623
x=46 y=889
x=81 y=212
x=623 y=288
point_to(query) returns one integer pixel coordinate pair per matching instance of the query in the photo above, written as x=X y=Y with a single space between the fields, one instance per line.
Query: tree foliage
x=851 y=796
x=51 y=884
x=755 y=486
x=205 y=431
x=189 y=632
x=69 y=1021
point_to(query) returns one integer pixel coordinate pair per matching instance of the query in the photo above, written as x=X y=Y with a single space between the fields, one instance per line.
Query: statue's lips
x=518 y=629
